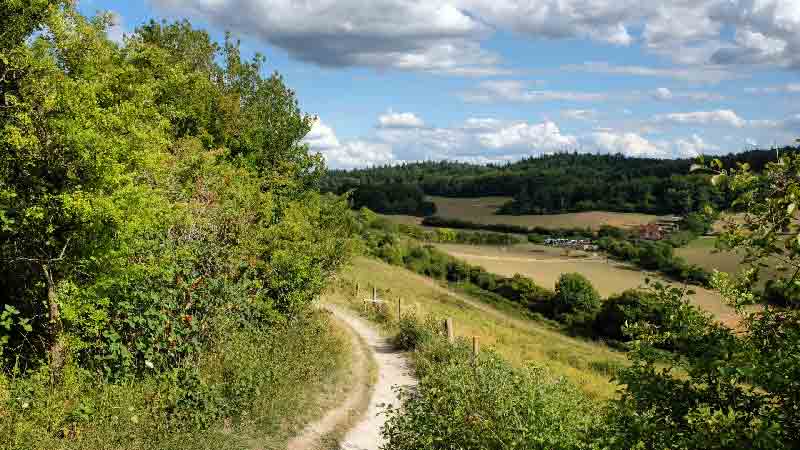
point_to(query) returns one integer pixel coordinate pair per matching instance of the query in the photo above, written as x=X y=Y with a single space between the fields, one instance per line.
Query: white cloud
x=545 y=136
x=433 y=36
x=724 y=117
x=519 y=92
x=629 y=144
x=693 y=146
x=400 y=120
x=665 y=94
x=707 y=74
x=445 y=36
x=349 y=154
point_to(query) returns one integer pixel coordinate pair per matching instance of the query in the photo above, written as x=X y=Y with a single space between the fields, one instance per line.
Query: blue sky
x=499 y=80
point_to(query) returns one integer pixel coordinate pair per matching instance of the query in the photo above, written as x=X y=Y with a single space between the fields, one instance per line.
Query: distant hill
x=564 y=182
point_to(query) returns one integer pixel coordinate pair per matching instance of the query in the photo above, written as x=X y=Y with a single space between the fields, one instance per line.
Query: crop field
x=703 y=253
x=522 y=341
x=545 y=265
x=482 y=210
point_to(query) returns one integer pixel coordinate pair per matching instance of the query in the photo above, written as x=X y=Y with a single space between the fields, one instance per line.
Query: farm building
x=651 y=232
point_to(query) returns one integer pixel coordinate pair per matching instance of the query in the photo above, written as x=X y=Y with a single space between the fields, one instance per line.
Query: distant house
x=651 y=232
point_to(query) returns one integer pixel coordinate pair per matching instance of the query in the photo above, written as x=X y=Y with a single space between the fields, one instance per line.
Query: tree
x=722 y=388
x=575 y=300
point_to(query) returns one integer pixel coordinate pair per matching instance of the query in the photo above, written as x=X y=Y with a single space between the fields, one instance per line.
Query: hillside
x=522 y=341
x=548 y=184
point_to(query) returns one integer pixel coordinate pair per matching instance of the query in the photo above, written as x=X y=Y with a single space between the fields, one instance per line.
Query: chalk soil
x=392 y=370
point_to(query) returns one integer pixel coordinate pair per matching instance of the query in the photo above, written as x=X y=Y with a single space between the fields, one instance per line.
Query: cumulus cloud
x=725 y=117
x=434 y=36
x=349 y=154
x=400 y=120
x=693 y=146
x=629 y=144
x=515 y=91
x=445 y=36
x=491 y=140
x=545 y=136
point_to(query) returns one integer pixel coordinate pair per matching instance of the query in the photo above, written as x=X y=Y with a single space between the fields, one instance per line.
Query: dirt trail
x=392 y=370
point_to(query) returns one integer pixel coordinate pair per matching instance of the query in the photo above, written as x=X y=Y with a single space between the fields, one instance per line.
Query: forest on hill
x=549 y=184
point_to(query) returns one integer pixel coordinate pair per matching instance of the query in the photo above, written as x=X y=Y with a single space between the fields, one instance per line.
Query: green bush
x=491 y=405
x=629 y=307
x=575 y=301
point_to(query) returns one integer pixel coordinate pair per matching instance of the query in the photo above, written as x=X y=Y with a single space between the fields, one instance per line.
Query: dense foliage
x=576 y=233
x=390 y=199
x=563 y=182
x=483 y=403
x=725 y=388
x=147 y=192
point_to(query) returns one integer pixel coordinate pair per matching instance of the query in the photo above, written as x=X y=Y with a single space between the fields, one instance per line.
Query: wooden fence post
x=475 y=349
x=399 y=316
x=448 y=326
x=374 y=293
x=357 y=289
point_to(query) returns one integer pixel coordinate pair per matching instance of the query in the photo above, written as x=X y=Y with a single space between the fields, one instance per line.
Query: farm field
x=545 y=265
x=522 y=341
x=482 y=210
x=702 y=252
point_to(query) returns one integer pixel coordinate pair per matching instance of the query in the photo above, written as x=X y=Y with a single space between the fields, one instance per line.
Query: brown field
x=545 y=265
x=522 y=341
x=703 y=253
x=482 y=210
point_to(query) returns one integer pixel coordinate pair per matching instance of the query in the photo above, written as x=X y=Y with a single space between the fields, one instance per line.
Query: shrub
x=575 y=299
x=488 y=405
x=631 y=306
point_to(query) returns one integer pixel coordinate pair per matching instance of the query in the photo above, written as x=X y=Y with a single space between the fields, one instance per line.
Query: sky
x=499 y=80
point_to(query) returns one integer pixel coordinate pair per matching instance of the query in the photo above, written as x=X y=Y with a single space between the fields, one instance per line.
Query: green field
x=522 y=341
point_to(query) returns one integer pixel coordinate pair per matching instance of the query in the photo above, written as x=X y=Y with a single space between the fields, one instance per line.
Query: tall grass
x=515 y=337
x=254 y=387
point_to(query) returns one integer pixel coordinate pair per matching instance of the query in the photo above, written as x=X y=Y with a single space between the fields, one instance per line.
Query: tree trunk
x=56 y=351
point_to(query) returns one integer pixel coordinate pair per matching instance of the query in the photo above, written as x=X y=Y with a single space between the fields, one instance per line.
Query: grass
x=283 y=378
x=482 y=210
x=520 y=340
x=545 y=265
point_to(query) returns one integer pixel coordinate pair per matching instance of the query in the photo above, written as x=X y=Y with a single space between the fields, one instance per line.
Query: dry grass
x=545 y=265
x=482 y=210
x=522 y=341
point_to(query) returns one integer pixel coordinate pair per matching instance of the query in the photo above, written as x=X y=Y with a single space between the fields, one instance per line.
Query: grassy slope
x=300 y=373
x=522 y=341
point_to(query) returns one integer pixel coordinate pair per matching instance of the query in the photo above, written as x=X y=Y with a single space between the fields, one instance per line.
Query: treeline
x=393 y=198
x=161 y=237
x=564 y=182
x=577 y=233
